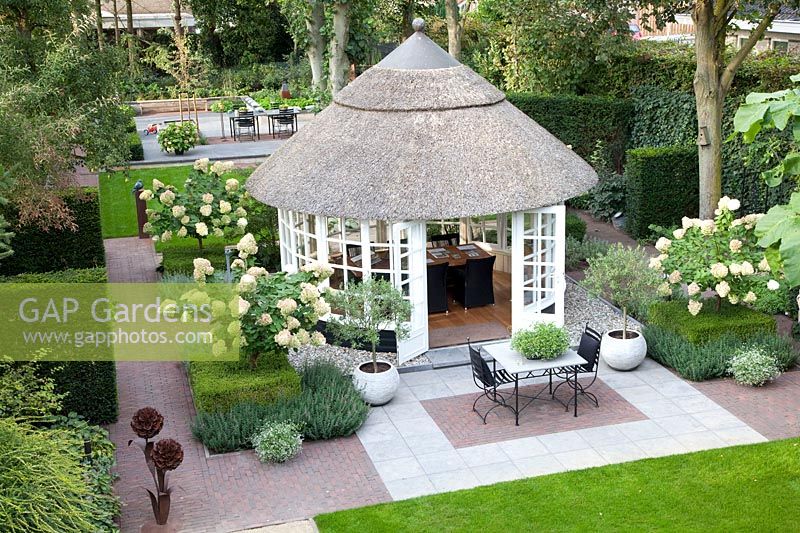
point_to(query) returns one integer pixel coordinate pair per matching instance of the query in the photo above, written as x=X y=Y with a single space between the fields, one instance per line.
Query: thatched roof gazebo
x=418 y=137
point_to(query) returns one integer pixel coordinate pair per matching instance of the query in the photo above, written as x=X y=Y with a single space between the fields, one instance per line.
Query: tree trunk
x=408 y=18
x=339 y=62
x=176 y=18
x=316 y=44
x=116 y=23
x=454 y=28
x=129 y=37
x=709 y=97
x=180 y=44
x=98 y=15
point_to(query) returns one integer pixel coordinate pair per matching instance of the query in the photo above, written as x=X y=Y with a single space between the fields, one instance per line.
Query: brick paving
x=773 y=410
x=463 y=427
x=225 y=492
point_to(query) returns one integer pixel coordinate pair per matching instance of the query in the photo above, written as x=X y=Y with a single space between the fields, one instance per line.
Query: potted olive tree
x=367 y=308
x=622 y=277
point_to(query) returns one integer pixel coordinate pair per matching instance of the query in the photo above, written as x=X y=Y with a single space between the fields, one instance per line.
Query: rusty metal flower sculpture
x=167 y=454
x=147 y=423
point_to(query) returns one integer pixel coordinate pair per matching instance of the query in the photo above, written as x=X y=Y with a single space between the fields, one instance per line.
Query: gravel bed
x=580 y=307
x=346 y=358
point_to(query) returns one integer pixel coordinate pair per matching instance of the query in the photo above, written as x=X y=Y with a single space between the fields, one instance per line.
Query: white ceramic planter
x=623 y=354
x=376 y=389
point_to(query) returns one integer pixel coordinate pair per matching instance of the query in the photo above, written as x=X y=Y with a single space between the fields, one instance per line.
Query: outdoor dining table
x=523 y=368
x=272 y=115
x=456 y=256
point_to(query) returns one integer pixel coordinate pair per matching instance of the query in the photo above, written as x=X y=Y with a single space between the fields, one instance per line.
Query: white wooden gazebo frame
x=537 y=261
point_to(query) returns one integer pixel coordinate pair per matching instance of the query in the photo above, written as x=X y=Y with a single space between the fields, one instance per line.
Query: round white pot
x=623 y=354
x=376 y=389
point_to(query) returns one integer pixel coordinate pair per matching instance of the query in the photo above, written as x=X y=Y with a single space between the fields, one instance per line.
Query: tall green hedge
x=91 y=388
x=135 y=144
x=662 y=187
x=671 y=67
x=581 y=121
x=44 y=251
x=667 y=118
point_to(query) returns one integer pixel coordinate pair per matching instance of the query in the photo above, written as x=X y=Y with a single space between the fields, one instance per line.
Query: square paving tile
x=719 y=419
x=410 y=427
x=740 y=435
x=660 y=408
x=580 y=459
x=431 y=390
x=680 y=425
x=376 y=416
x=454 y=480
x=377 y=432
x=463 y=427
x=402 y=468
x=539 y=466
x=642 y=393
x=384 y=450
x=483 y=454
x=641 y=430
x=565 y=441
x=525 y=447
x=402 y=489
x=427 y=377
x=704 y=440
x=661 y=446
x=495 y=473
x=620 y=452
x=676 y=389
x=603 y=435
x=404 y=411
x=428 y=443
x=697 y=403
x=434 y=463
x=621 y=380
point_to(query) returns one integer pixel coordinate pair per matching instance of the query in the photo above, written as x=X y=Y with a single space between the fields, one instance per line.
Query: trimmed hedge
x=709 y=325
x=73 y=275
x=178 y=255
x=90 y=386
x=219 y=386
x=581 y=121
x=44 y=251
x=662 y=187
x=575 y=227
x=136 y=148
x=699 y=362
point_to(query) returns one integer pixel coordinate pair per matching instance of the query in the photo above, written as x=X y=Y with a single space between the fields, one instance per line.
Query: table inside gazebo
x=456 y=256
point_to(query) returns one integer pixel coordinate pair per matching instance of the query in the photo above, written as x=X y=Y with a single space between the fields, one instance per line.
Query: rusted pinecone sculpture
x=167 y=454
x=147 y=422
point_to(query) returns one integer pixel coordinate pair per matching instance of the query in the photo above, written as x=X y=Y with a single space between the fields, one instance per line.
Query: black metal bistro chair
x=473 y=285
x=589 y=349
x=448 y=239
x=437 y=288
x=283 y=123
x=245 y=123
x=488 y=380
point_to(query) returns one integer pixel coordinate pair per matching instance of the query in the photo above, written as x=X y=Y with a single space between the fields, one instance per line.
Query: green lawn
x=745 y=488
x=117 y=210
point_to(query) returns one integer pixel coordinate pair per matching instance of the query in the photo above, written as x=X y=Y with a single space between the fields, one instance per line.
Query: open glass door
x=409 y=275
x=537 y=266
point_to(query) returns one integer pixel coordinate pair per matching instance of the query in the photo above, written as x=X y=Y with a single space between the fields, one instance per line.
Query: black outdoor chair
x=437 y=288
x=448 y=239
x=282 y=123
x=246 y=123
x=488 y=380
x=589 y=349
x=473 y=285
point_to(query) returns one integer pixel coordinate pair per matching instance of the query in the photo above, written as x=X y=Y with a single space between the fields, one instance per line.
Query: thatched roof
x=419 y=137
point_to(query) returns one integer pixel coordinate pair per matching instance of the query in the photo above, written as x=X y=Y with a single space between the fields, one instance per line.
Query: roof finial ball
x=418 y=24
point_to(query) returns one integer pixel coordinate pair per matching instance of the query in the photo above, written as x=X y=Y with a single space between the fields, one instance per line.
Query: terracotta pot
x=376 y=389
x=623 y=354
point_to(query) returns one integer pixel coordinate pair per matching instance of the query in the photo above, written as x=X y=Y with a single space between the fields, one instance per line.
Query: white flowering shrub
x=277 y=442
x=721 y=255
x=274 y=312
x=753 y=366
x=208 y=205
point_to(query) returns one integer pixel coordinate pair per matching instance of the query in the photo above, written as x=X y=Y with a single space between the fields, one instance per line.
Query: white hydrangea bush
x=720 y=255
x=277 y=442
x=753 y=366
x=274 y=312
x=209 y=204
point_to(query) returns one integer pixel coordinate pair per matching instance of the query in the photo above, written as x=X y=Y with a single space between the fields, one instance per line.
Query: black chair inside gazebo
x=473 y=285
x=245 y=122
x=589 y=349
x=447 y=239
x=437 y=288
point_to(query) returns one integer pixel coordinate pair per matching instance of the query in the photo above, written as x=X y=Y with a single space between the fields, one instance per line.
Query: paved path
x=226 y=492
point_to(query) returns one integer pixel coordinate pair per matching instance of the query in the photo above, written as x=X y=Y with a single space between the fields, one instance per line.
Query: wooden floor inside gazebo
x=485 y=323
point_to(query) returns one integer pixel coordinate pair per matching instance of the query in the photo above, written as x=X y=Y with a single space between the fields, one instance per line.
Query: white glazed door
x=537 y=266
x=409 y=275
